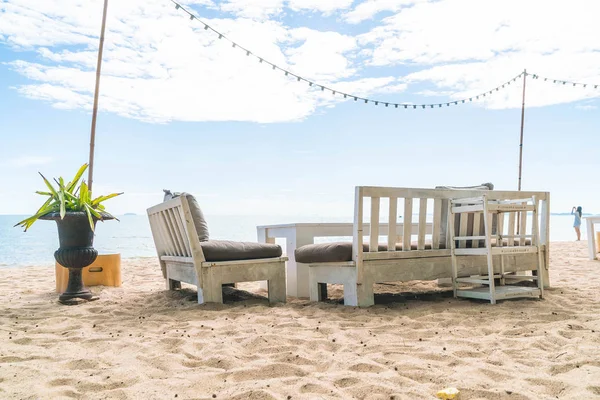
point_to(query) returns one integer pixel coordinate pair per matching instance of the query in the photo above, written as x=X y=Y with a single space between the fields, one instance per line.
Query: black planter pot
x=76 y=251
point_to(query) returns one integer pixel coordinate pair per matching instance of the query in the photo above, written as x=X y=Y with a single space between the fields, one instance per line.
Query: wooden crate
x=106 y=271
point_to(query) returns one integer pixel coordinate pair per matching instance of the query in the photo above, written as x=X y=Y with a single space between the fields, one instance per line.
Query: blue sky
x=180 y=109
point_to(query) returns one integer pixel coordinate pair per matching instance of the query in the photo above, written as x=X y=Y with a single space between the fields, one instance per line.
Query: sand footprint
x=253 y=395
x=346 y=382
x=363 y=367
x=268 y=372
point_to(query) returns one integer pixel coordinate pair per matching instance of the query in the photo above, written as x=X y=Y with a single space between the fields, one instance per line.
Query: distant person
x=577 y=223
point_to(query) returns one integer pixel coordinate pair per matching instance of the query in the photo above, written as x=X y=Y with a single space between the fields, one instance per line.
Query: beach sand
x=142 y=342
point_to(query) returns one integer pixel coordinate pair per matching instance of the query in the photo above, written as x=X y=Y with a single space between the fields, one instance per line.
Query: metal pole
x=521 y=147
x=522 y=124
x=96 y=92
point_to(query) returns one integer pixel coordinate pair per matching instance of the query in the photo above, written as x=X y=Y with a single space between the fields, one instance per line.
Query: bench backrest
x=173 y=230
x=432 y=201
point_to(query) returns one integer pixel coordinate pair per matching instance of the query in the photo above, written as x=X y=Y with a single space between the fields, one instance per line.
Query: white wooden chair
x=503 y=246
x=430 y=257
x=182 y=259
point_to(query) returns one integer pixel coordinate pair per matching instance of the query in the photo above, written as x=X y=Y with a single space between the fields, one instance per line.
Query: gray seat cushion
x=483 y=186
x=328 y=252
x=226 y=250
x=197 y=215
x=342 y=251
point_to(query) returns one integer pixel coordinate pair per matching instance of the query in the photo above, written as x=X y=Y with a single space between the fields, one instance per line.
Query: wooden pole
x=522 y=124
x=521 y=146
x=96 y=92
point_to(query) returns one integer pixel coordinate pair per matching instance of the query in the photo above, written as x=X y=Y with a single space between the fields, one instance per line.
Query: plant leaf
x=83 y=192
x=45 y=205
x=44 y=193
x=94 y=212
x=63 y=209
x=100 y=199
x=110 y=215
x=52 y=190
x=71 y=185
x=87 y=210
x=27 y=222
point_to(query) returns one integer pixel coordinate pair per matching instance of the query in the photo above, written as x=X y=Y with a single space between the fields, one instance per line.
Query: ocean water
x=131 y=235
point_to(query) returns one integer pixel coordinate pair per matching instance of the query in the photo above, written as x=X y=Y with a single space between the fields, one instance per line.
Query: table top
x=593 y=218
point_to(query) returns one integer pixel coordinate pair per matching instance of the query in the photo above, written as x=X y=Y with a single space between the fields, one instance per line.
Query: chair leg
x=358 y=295
x=173 y=284
x=322 y=291
x=213 y=292
x=200 y=296
x=212 y=286
x=366 y=297
x=276 y=286
x=315 y=288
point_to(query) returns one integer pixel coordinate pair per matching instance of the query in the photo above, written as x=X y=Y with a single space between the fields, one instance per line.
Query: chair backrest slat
x=407 y=219
x=476 y=229
x=392 y=216
x=374 y=225
x=182 y=233
x=522 y=227
x=167 y=233
x=173 y=229
x=463 y=229
x=177 y=244
x=437 y=223
x=422 y=223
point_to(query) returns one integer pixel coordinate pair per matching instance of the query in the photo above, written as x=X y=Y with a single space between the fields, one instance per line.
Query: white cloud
x=257 y=9
x=321 y=54
x=262 y=9
x=160 y=66
x=324 y=6
x=469 y=46
x=369 y=8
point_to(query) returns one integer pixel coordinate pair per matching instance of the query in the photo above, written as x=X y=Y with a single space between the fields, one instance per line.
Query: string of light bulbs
x=366 y=100
x=563 y=82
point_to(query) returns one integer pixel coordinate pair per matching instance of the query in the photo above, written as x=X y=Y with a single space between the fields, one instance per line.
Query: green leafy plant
x=70 y=197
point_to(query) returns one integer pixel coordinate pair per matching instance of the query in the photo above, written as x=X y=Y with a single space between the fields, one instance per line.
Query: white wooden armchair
x=182 y=258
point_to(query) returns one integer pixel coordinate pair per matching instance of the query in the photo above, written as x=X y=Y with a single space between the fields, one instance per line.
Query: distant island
x=130 y=214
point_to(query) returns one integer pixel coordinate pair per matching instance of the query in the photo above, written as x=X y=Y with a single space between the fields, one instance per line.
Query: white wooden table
x=591 y=235
x=300 y=234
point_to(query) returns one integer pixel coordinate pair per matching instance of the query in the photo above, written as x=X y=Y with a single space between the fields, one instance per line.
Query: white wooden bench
x=182 y=259
x=431 y=257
